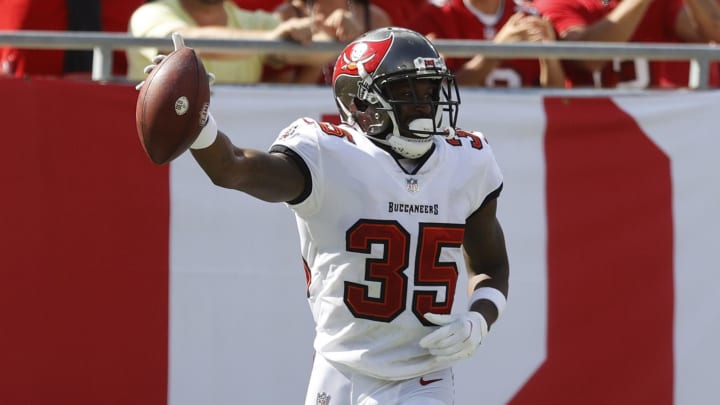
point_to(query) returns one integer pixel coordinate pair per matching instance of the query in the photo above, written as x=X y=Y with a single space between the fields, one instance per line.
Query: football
x=172 y=105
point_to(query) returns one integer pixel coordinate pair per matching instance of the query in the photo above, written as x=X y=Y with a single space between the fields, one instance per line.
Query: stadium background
x=122 y=282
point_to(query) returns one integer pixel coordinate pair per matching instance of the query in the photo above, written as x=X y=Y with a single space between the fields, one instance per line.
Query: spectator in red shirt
x=342 y=20
x=677 y=73
x=333 y=20
x=115 y=16
x=61 y=15
x=50 y=15
x=628 y=21
x=265 y=5
x=499 y=21
x=400 y=11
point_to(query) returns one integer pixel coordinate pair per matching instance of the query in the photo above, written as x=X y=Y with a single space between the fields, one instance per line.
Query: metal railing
x=103 y=44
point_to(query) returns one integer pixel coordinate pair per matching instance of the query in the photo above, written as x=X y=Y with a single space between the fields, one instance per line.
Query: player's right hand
x=178 y=43
x=149 y=68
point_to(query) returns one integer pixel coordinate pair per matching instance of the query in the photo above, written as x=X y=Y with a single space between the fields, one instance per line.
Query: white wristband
x=492 y=294
x=207 y=135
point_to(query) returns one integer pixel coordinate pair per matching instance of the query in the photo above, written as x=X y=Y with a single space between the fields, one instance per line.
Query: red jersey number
x=389 y=300
x=475 y=141
x=625 y=74
x=334 y=130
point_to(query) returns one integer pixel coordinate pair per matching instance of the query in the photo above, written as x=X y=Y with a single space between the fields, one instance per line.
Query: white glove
x=458 y=337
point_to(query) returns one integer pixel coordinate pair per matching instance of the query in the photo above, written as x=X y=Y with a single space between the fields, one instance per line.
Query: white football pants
x=331 y=386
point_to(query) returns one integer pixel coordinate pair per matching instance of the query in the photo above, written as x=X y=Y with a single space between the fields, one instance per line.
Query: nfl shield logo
x=323 y=399
x=412 y=185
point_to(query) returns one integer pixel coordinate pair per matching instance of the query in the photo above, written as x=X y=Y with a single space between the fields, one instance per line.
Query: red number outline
x=332 y=129
x=475 y=141
x=389 y=270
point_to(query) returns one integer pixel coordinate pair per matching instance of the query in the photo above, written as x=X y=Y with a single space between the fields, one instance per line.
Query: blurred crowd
x=307 y=21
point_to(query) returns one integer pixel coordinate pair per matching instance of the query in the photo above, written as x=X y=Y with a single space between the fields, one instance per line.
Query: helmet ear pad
x=372 y=120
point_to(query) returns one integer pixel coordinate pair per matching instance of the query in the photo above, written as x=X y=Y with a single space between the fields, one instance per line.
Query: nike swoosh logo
x=423 y=381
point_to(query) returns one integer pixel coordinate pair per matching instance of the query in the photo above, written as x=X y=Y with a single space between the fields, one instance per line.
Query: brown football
x=172 y=106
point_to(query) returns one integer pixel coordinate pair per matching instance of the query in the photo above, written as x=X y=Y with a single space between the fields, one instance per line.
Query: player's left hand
x=458 y=337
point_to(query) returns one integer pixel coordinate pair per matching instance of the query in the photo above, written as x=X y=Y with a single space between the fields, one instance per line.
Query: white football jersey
x=381 y=246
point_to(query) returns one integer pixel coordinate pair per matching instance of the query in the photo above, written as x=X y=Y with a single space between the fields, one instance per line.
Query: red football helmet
x=382 y=57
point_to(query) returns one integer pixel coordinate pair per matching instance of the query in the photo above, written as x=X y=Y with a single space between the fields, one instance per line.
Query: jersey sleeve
x=300 y=141
x=487 y=176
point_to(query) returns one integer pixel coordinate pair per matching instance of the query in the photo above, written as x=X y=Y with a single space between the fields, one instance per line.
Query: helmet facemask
x=380 y=113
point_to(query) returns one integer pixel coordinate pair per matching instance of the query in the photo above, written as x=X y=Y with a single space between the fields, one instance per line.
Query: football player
x=390 y=205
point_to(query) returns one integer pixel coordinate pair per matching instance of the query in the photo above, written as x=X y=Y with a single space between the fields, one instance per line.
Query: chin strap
x=412 y=148
x=409 y=147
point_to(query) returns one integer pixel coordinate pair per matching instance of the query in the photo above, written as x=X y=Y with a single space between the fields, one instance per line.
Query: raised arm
x=272 y=177
x=552 y=73
x=618 y=26
x=699 y=21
